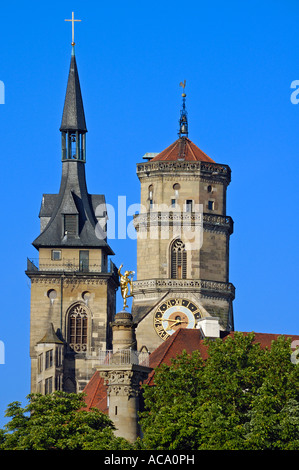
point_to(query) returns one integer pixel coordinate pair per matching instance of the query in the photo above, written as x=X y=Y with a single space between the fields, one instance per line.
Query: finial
x=183 y=118
x=73 y=29
x=183 y=85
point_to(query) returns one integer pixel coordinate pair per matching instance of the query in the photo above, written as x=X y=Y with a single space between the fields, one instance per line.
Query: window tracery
x=78 y=322
x=178 y=260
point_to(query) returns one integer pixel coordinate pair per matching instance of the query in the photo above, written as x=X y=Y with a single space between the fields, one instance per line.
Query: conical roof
x=182 y=149
x=50 y=336
x=73 y=118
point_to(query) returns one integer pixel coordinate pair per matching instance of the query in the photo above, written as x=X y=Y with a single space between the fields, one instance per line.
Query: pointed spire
x=184 y=115
x=73 y=118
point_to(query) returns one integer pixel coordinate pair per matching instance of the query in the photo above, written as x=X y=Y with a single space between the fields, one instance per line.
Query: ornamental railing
x=68 y=265
x=123 y=357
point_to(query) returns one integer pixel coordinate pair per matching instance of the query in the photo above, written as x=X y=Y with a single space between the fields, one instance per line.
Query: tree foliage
x=58 y=421
x=241 y=397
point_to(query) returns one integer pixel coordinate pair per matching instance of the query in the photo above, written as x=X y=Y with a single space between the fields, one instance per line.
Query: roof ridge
x=206 y=155
x=191 y=149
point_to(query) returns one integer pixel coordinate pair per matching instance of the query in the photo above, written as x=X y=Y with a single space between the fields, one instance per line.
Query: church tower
x=73 y=284
x=183 y=234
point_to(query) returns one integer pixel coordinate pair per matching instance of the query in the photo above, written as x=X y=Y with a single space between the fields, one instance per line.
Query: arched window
x=78 y=328
x=178 y=260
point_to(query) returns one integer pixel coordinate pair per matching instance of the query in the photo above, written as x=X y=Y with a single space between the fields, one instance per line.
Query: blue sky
x=239 y=60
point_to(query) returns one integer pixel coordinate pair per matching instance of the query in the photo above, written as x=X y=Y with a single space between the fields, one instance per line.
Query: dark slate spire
x=73 y=118
x=72 y=217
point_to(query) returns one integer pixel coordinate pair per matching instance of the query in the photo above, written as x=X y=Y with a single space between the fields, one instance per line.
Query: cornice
x=214 y=222
x=202 y=286
x=204 y=169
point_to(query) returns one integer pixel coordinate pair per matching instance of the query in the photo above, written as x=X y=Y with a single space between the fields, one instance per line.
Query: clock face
x=173 y=314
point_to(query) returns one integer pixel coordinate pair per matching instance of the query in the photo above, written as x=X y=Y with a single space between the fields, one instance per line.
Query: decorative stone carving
x=214 y=169
x=123 y=382
x=212 y=286
x=143 y=221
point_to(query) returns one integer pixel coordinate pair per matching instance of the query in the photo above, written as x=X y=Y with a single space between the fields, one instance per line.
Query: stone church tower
x=183 y=234
x=73 y=285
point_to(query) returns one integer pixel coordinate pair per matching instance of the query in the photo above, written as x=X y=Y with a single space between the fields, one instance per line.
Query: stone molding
x=39 y=279
x=216 y=170
x=209 y=287
x=143 y=221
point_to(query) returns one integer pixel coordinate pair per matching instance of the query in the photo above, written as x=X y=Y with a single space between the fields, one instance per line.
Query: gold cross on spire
x=73 y=27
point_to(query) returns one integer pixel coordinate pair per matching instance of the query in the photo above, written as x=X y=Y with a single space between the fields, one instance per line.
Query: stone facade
x=186 y=201
x=183 y=235
x=73 y=286
x=55 y=294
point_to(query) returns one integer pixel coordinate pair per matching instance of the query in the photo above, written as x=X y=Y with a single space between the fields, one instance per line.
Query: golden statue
x=126 y=281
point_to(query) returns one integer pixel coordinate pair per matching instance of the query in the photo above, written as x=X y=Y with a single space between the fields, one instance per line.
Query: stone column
x=123 y=331
x=124 y=375
x=124 y=393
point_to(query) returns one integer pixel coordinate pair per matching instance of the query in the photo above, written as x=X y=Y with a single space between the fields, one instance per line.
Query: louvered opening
x=71 y=224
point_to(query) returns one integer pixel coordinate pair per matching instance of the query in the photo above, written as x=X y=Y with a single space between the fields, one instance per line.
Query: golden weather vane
x=183 y=85
x=73 y=27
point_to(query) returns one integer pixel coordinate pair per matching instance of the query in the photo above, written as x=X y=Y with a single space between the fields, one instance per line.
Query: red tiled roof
x=265 y=339
x=182 y=339
x=182 y=149
x=96 y=393
x=191 y=340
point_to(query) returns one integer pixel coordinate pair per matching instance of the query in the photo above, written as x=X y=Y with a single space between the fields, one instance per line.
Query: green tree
x=241 y=397
x=58 y=421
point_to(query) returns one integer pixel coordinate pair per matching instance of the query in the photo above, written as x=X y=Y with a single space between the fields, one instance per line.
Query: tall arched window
x=178 y=260
x=78 y=328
